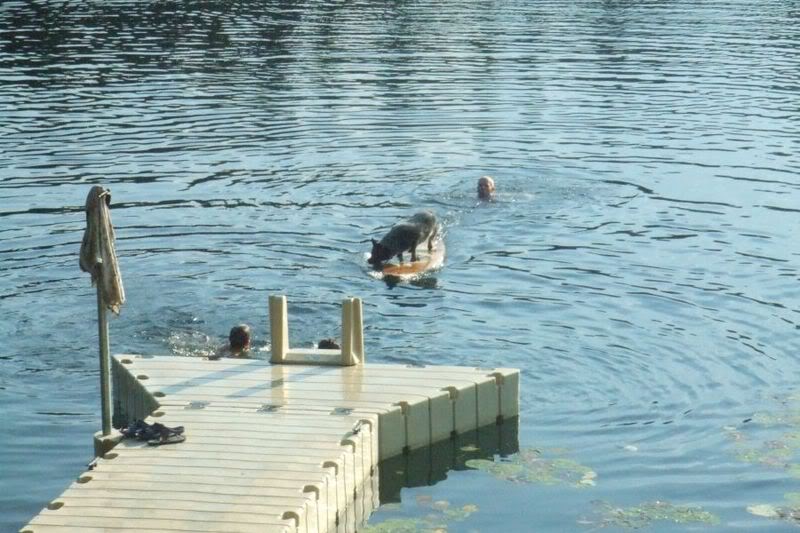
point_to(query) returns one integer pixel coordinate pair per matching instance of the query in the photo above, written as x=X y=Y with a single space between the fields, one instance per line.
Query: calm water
x=640 y=265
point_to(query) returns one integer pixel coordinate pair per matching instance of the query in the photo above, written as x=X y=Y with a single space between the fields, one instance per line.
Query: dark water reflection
x=639 y=266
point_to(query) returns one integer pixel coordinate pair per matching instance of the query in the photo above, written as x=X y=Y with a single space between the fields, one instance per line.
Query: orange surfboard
x=426 y=261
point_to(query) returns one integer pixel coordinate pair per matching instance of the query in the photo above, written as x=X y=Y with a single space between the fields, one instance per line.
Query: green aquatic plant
x=532 y=465
x=779 y=451
x=790 y=512
x=438 y=514
x=396 y=525
x=776 y=452
x=607 y=515
x=789 y=417
x=458 y=514
x=766 y=455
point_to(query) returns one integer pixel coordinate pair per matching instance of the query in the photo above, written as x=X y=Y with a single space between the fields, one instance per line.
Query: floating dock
x=290 y=445
x=283 y=448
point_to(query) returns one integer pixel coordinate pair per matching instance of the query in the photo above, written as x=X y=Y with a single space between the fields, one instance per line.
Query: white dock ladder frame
x=351 y=352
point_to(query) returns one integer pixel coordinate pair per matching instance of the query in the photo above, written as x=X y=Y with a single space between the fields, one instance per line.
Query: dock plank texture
x=269 y=448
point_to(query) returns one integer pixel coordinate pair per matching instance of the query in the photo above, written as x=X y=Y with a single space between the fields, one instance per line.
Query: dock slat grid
x=269 y=448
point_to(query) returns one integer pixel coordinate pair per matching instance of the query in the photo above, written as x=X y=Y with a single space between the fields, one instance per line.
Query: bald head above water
x=486 y=188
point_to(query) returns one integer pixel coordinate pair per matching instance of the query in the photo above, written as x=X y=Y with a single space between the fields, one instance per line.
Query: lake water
x=640 y=264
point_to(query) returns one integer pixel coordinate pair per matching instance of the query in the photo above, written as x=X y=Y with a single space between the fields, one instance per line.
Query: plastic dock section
x=292 y=446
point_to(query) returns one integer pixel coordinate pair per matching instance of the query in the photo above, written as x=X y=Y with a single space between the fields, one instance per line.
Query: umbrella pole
x=105 y=375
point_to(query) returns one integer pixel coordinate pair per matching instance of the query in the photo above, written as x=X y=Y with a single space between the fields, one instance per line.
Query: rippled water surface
x=640 y=264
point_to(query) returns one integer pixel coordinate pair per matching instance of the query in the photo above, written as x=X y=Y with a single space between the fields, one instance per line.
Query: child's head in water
x=486 y=188
x=328 y=344
x=239 y=338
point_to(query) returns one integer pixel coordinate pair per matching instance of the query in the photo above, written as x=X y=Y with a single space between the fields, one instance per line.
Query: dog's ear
x=374 y=242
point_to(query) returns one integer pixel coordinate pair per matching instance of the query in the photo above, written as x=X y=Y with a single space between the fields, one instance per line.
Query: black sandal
x=166 y=435
x=155 y=434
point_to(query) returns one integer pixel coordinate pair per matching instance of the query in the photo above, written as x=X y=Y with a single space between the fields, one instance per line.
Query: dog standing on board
x=404 y=237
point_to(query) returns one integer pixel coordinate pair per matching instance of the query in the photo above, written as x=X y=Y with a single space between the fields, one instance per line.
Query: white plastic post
x=352 y=332
x=358 y=330
x=347 y=333
x=279 y=328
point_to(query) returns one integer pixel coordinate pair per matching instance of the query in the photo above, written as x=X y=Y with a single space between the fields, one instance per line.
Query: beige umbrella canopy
x=98 y=256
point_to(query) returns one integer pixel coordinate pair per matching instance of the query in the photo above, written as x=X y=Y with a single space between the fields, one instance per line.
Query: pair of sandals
x=154 y=434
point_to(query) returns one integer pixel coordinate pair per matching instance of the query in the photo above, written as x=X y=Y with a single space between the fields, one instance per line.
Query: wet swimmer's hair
x=328 y=344
x=239 y=338
x=486 y=188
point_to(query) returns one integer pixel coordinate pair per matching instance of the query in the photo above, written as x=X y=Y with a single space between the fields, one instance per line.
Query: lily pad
x=458 y=514
x=764 y=509
x=588 y=479
x=534 y=466
x=734 y=434
x=645 y=514
x=789 y=513
x=440 y=505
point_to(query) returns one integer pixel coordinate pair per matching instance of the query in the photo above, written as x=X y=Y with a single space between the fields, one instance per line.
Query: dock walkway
x=269 y=448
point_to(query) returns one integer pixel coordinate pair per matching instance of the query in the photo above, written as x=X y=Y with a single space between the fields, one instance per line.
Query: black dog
x=403 y=237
